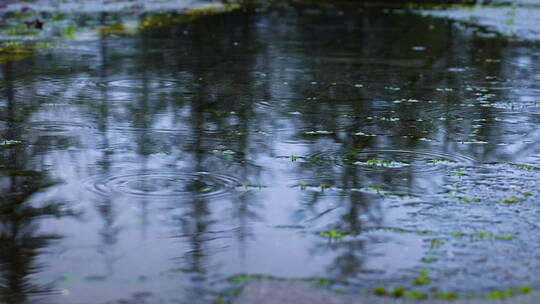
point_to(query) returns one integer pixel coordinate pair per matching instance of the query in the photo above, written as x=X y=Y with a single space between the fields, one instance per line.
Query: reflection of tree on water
x=334 y=105
x=355 y=211
x=105 y=207
x=341 y=113
x=21 y=242
x=195 y=222
x=207 y=226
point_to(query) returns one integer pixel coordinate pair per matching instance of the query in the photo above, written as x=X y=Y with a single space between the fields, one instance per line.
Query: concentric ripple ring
x=163 y=184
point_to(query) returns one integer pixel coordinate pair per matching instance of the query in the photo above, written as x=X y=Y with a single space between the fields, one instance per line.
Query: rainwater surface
x=346 y=147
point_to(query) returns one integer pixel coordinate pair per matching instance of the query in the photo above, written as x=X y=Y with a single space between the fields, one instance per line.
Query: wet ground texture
x=360 y=150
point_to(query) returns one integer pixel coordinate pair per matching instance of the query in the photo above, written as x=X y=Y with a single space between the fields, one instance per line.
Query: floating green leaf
x=379 y=290
x=398 y=291
x=522 y=166
x=525 y=289
x=513 y=200
x=446 y=295
x=69 y=31
x=422 y=279
x=416 y=294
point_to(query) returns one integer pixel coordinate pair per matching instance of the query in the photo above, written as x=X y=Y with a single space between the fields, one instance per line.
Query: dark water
x=358 y=146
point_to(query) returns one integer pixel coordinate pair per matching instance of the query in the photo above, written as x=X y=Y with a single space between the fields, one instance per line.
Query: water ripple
x=140 y=83
x=163 y=184
x=56 y=127
x=122 y=89
x=389 y=159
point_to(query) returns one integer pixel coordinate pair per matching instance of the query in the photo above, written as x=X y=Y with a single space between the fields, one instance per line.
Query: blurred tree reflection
x=21 y=241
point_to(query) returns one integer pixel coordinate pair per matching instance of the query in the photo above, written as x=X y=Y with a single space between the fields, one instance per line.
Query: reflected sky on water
x=362 y=146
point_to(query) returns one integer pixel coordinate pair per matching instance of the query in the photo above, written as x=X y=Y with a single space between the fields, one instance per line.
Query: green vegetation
x=398 y=291
x=504 y=237
x=20 y=15
x=484 y=234
x=434 y=243
x=115 y=29
x=333 y=234
x=374 y=162
x=460 y=172
x=379 y=290
x=321 y=282
x=500 y=294
x=508 y=292
x=20 y=30
x=452 y=194
x=446 y=295
x=244 y=278
x=436 y=161
x=376 y=188
x=219 y=300
x=226 y=295
x=416 y=294
x=466 y=198
x=314 y=187
x=165 y=19
x=379 y=190
x=295 y=157
x=249 y=186
x=522 y=166
x=15 y=52
x=397 y=229
x=422 y=279
x=17 y=26
x=513 y=200
x=525 y=289
x=69 y=32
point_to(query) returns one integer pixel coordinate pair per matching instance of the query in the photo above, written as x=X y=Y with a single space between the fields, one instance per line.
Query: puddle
x=278 y=142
